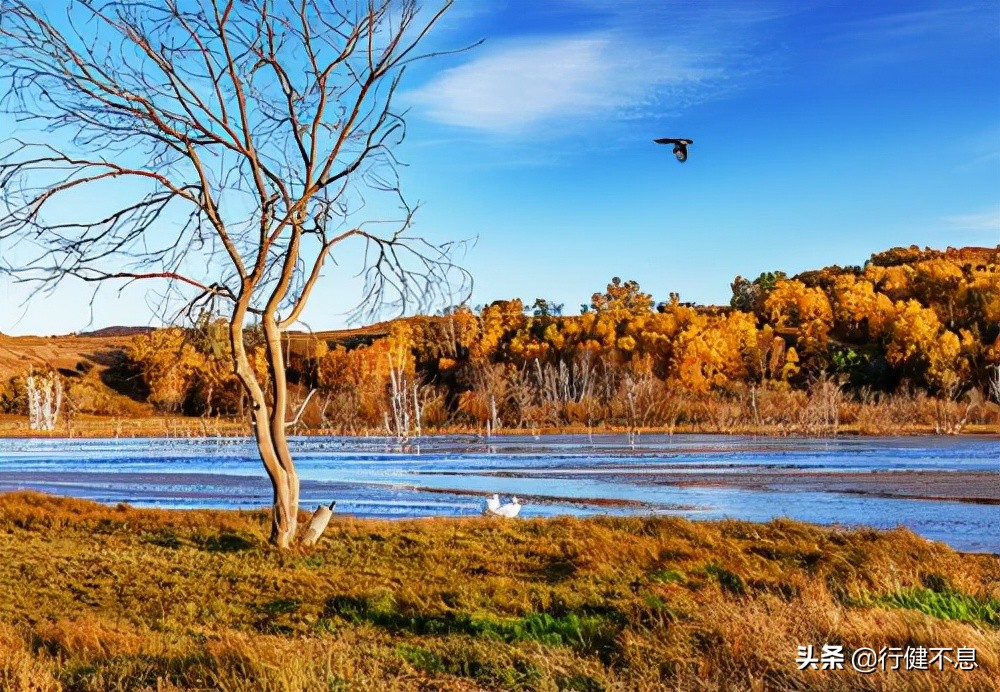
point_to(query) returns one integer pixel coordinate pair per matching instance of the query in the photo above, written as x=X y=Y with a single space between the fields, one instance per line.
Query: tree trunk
x=285 y=519
x=269 y=430
x=286 y=507
x=284 y=481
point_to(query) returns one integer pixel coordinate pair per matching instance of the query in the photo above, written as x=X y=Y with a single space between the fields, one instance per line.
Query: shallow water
x=566 y=474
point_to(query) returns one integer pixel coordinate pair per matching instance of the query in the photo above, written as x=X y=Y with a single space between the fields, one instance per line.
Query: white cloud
x=517 y=86
x=524 y=84
x=983 y=221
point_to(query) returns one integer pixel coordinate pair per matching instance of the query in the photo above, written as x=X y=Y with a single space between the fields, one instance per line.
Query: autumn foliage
x=909 y=321
x=908 y=318
x=919 y=325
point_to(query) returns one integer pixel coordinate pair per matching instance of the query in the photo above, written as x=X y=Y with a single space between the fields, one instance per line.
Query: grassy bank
x=99 y=598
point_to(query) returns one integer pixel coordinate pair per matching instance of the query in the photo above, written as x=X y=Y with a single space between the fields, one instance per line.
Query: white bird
x=509 y=510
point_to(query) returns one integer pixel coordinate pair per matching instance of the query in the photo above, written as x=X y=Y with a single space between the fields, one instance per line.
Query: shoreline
x=830 y=529
x=915 y=482
x=12 y=427
x=970 y=488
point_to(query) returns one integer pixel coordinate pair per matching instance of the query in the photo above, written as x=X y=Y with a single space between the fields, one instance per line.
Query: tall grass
x=114 y=598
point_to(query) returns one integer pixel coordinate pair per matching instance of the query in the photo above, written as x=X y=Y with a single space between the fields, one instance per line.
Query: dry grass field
x=103 y=598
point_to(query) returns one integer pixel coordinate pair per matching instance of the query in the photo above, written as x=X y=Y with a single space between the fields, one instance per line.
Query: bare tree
x=45 y=394
x=226 y=149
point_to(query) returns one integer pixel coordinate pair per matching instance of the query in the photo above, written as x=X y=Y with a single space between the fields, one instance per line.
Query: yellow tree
x=858 y=307
x=500 y=321
x=714 y=351
x=169 y=364
x=807 y=311
x=938 y=283
x=656 y=334
x=625 y=297
x=919 y=344
x=894 y=281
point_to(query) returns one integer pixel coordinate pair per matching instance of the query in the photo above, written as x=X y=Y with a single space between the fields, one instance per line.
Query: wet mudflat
x=945 y=489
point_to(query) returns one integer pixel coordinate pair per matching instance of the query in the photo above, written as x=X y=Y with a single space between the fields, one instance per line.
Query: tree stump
x=318 y=523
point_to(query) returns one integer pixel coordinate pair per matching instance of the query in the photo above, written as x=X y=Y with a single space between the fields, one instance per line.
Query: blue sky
x=824 y=132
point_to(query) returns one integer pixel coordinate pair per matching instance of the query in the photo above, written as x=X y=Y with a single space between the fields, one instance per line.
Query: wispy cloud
x=921 y=23
x=559 y=72
x=522 y=84
x=888 y=37
x=981 y=221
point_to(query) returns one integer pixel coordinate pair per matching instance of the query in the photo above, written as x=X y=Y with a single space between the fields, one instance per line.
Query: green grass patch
x=729 y=581
x=496 y=672
x=667 y=576
x=225 y=543
x=421 y=659
x=947 y=604
x=584 y=632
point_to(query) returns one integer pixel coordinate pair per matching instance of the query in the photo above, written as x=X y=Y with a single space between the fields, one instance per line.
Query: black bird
x=680 y=147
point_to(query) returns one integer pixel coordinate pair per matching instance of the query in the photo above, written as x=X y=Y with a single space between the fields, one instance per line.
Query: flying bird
x=680 y=147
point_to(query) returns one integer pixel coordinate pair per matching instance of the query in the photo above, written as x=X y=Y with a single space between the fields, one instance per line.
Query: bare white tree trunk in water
x=44 y=393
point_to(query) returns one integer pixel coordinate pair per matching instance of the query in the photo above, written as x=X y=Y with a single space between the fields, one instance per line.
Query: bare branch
x=223 y=148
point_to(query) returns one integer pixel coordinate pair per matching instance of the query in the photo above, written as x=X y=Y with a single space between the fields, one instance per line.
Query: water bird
x=495 y=508
x=680 y=146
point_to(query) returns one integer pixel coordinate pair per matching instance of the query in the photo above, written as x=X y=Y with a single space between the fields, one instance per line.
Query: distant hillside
x=117 y=331
x=19 y=354
x=102 y=347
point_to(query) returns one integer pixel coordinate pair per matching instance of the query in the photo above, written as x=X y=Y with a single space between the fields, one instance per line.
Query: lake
x=943 y=488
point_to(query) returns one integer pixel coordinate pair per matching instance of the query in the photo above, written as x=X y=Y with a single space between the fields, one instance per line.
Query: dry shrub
x=947 y=414
x=716 y=413
x=20 y=671
x=91 y=636
x=583 y=412
x=88 y=393
x=434 y=411
x=475 y=405
x=879 y=413
x=779 y=406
